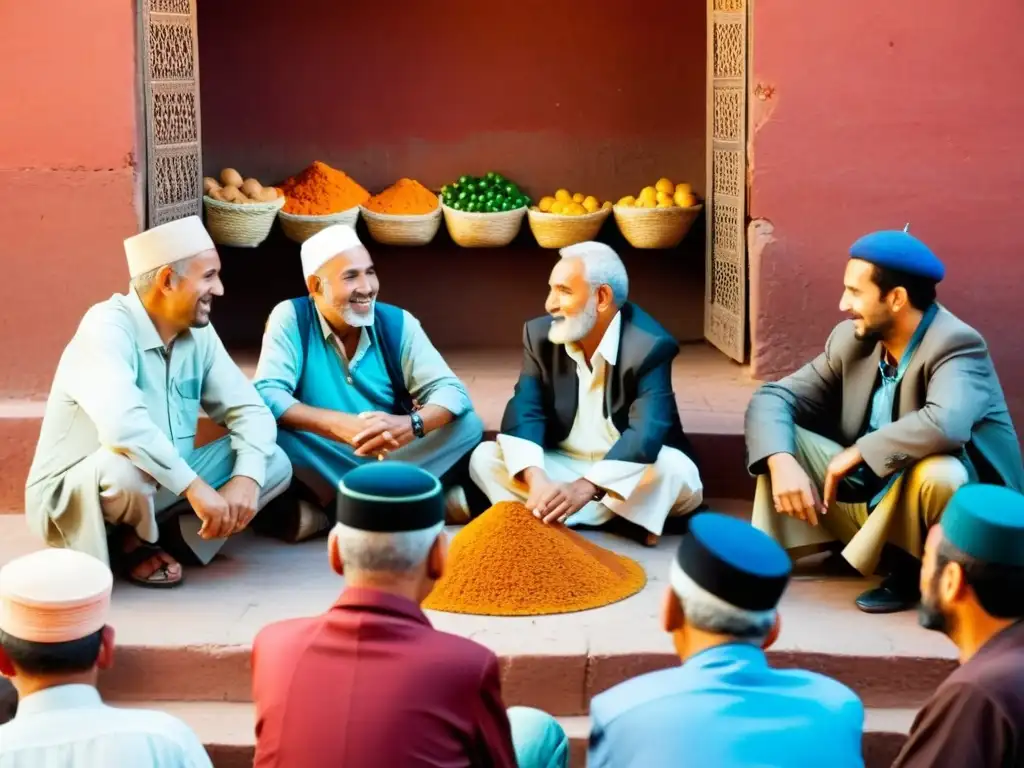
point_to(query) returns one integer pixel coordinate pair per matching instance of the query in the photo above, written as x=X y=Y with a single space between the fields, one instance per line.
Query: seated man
x=725 y=707
x=352 y=380
x=866 y=443
x=117 y=445
x=593 y=428
x=370 y=683
x=53 y=641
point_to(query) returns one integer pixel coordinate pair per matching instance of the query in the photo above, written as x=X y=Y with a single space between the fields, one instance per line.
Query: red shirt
x=371 y=684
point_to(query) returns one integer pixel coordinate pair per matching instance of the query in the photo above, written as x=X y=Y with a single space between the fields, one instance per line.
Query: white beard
x=358 y=320
x=568 y=330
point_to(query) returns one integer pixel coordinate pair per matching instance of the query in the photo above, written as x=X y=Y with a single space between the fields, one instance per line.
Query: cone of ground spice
x=508 y=563
x=321 y=190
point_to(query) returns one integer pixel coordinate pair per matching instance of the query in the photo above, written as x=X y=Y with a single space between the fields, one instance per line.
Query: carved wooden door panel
x=169 y=57
x=725 y=297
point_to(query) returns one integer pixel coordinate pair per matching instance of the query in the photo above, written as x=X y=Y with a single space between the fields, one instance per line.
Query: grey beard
x=355 y=320
x=572 y=329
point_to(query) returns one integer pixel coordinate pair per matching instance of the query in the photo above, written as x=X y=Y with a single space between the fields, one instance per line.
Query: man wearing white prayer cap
x=116 y=455
x=54 y=639
x=351 y=380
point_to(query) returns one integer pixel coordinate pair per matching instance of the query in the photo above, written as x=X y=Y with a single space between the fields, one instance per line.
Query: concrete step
x=712 y=393
x=227 y=731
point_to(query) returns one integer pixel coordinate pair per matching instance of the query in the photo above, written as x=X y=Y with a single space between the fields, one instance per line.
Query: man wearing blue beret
x=725 y=707
x=972 y=586
x=865 y=444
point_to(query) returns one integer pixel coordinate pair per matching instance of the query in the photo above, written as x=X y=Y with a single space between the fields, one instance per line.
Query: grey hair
x=711 y=613
x=601 y=266
x=144 y=282
x=376 y=552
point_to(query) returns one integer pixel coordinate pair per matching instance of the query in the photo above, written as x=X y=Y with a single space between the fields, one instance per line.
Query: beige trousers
x=669 y=487
x=910 y=507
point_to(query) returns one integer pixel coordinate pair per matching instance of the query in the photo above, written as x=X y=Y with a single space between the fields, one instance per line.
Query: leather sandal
x=160 y=578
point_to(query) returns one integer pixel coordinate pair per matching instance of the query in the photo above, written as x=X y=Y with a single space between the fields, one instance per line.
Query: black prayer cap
x=390 y=497
x=734 y=561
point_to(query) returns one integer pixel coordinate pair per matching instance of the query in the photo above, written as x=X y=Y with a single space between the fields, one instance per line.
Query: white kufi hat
x=325 y=245
x=166 y=244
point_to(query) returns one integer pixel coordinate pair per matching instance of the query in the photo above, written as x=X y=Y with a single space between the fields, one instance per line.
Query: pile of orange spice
x=320 y=190
x=404 y=197
x=508 y=563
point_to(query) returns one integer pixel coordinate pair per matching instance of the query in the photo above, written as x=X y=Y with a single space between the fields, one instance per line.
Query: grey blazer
x=949 y=401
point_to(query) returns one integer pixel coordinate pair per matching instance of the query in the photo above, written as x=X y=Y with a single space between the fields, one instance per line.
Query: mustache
x=362 y=296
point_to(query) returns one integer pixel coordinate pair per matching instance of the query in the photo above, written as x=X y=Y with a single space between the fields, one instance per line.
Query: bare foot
x=160 y=568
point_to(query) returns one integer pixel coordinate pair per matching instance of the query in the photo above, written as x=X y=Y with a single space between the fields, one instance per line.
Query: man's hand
x=382 y=433
x=242 y=494
x=212 y=508
x=344 y=427
x=563 y=500
x=844 y=463
x=792 y=490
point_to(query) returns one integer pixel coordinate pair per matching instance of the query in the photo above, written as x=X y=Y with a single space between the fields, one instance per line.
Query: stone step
x=227 y=731
x=712 y=393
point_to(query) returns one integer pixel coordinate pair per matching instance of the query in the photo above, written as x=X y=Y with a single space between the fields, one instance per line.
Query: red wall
x=67 y=182
x=884 y=113
x=595 y=98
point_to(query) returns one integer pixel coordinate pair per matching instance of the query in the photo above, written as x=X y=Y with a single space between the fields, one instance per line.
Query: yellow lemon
x=628 y=200
x=649 y=193
x=666 y=186
x=575 y=209
x=666 y=204
x=563 y=196
x=664 y=198
x=645 y=202
x=557 y=207
x=607 y=204
x=591 y=204
x=546 y=203
x=684 y=199
x=686 y=189
x=579 y=197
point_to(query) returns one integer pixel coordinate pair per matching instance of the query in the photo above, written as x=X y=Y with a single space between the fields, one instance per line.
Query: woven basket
x=241 y=225
x=483 y=230
x=300 y=228
x=402 y=229
x=555 y=230
x=655 y=227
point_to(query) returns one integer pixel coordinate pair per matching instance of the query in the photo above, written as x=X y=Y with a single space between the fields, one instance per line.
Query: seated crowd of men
x=892 y=448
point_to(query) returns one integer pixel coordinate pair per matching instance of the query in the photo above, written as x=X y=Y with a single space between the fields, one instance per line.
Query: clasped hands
x=793 y=492
x=373 y=433
x=556 y=502
x=224 y=511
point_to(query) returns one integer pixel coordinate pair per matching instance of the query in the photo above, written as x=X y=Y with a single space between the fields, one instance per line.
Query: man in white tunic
x=592 y=431
x=53 y=641
x=117 y=445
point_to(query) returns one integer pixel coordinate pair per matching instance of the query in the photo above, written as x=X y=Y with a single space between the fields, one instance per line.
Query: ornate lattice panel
x=170 y=80
x=725 y=303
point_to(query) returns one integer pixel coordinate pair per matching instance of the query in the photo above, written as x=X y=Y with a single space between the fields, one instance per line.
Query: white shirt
x=593 y=433
x=69 y=726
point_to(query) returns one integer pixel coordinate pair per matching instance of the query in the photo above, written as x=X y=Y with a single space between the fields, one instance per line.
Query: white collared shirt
x=69 y=726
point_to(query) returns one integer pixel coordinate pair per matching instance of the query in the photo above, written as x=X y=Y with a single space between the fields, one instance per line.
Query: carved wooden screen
x=725 y=297
x=170 y=83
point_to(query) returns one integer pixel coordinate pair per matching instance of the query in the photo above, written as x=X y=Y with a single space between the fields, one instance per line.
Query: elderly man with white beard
x=592 y=432
x=352 y=380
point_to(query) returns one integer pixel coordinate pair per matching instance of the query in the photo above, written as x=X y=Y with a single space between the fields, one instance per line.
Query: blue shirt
x=726 y=707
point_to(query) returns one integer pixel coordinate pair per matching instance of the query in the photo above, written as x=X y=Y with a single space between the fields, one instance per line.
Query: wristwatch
x=417 y=424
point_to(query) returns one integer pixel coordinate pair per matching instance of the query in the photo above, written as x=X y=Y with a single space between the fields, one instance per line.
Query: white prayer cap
x=587 y=248
x=325 y=245
x=54 y=596
x=166 y=244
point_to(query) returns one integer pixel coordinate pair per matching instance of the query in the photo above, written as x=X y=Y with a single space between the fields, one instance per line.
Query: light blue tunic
x=319 y=374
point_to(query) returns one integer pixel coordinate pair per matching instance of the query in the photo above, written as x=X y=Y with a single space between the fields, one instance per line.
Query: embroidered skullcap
x=987 y=523
x=899 y=250
x=166 y=244
x=325 y=245
x=390 y=497
x=734 y=561
x=54 y=596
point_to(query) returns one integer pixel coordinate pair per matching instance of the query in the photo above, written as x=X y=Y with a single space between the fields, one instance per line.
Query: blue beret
x=900 y=251
x=734 y=561
x=389 y=497
x=987 y=523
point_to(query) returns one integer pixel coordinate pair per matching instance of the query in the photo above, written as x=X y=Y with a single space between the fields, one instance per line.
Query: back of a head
x=53 y=608
x=389 y=515
x=602 y=266
x=728 y=577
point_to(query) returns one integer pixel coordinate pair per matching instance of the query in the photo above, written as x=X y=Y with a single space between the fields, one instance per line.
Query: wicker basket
x=402 y=229
x=483 y=230
x=555 y=230
x=242 y=225
x=300 y=228
x=655 y=227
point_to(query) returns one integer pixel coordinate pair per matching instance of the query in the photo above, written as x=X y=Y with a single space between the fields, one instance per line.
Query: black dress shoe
x=891 y=596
